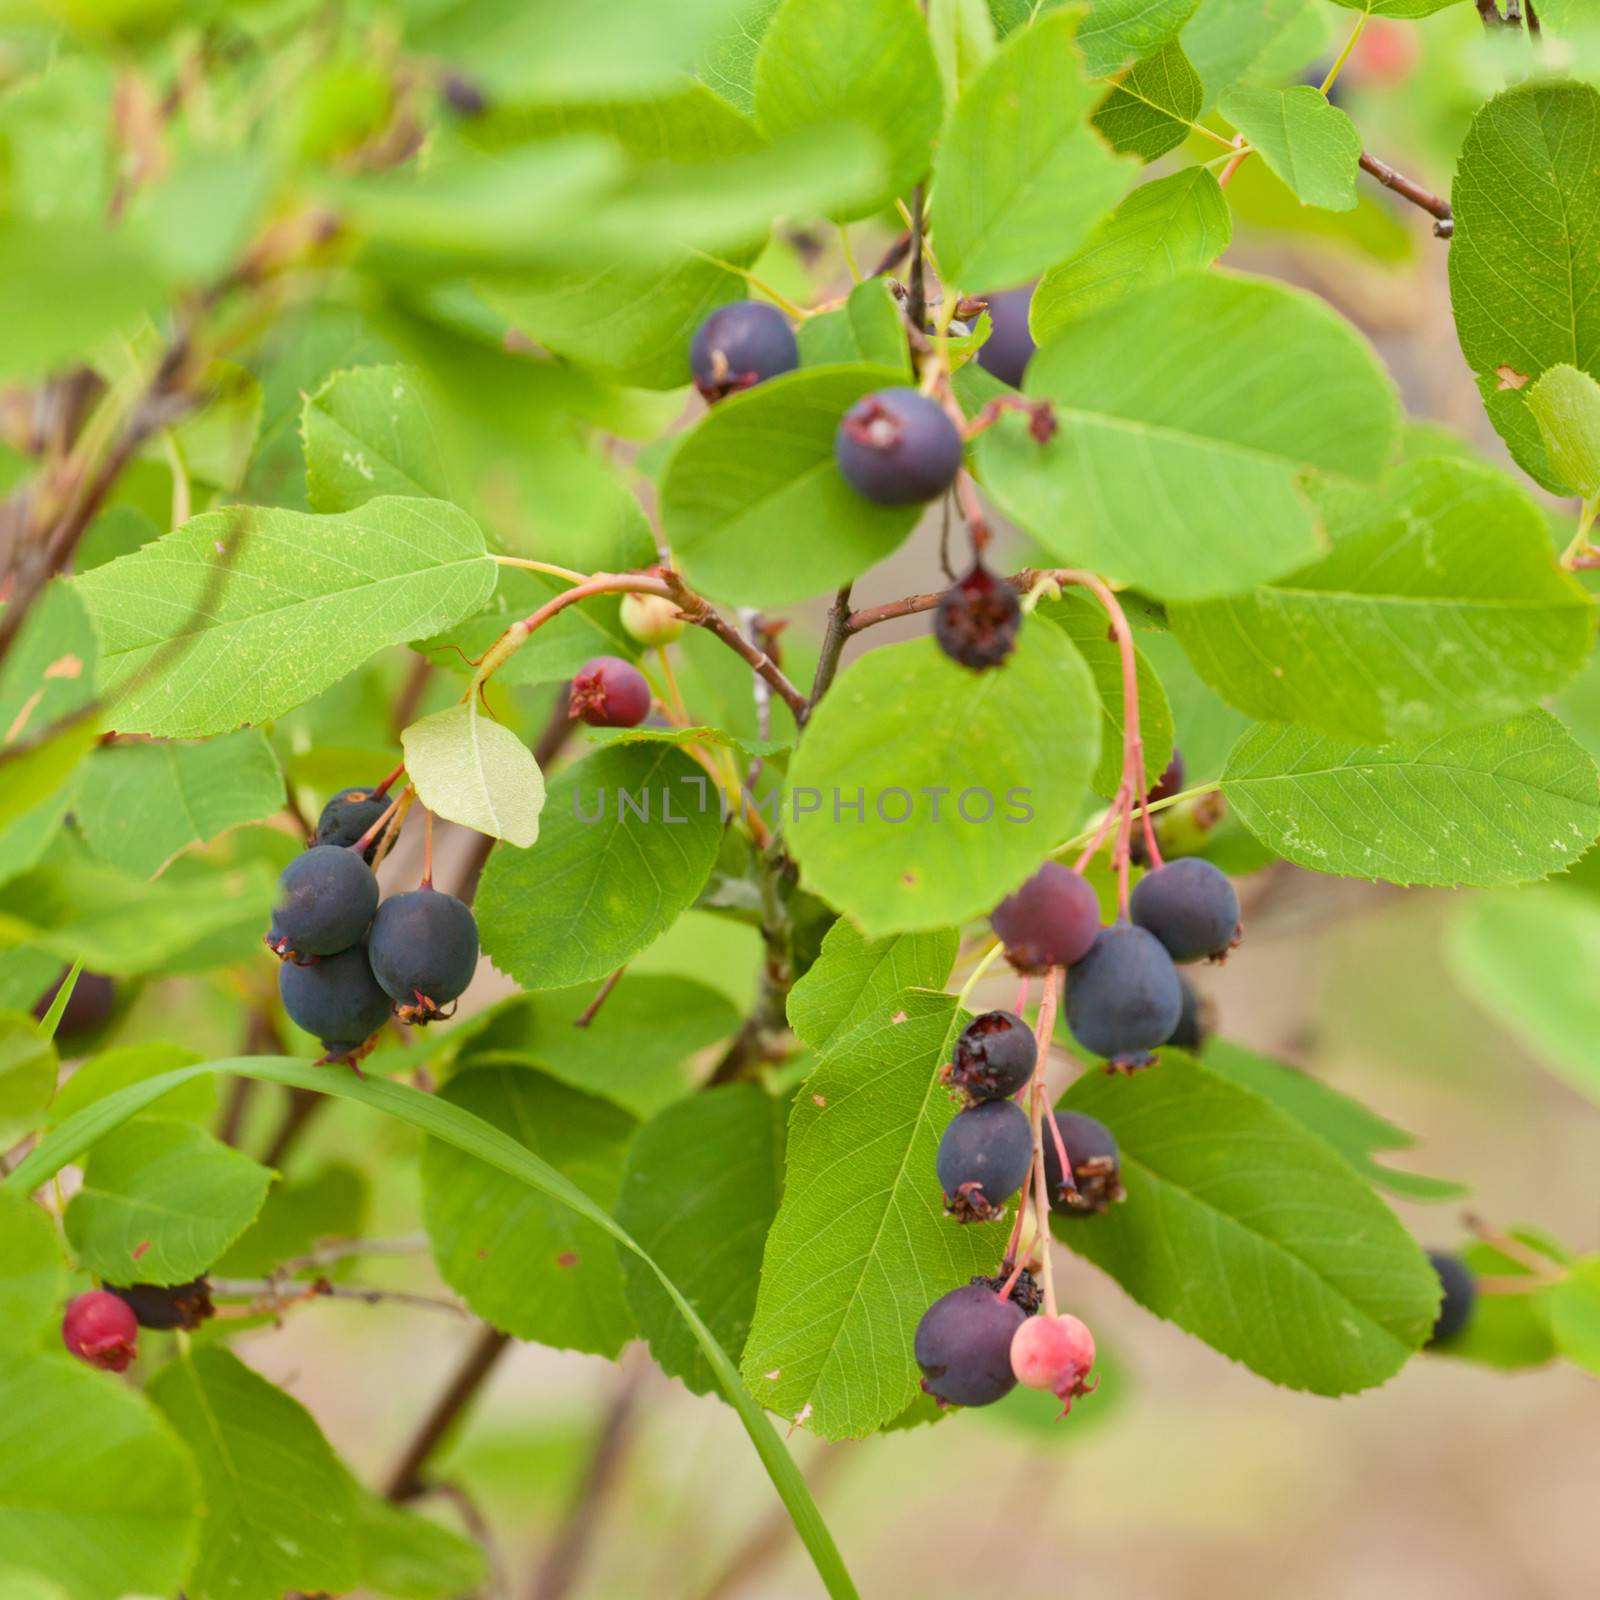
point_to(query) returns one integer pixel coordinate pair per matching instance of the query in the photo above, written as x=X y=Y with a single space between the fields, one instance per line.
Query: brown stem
x=303 y=1106
x=703 y=615
x=1444 y=224
x=832 y=648
x=406 y=1481
x=592 y=1010
x=917 y=296
x=410 y=697
x=893 y=256
x=1489 y=11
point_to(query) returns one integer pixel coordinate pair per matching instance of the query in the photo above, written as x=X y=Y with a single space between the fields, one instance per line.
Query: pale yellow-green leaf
x=472 y=770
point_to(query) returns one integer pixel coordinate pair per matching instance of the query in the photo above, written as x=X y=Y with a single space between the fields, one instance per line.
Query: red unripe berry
x=1054 y=1354
x=101 y=1329
x=609 y=692
x=1049 y=922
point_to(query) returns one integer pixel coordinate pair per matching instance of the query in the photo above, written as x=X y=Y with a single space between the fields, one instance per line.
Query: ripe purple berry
x=1092 y=1155
x=1190 y=907
x=348 y=816
x=983 y=1158
x=1049 y=922
x=1123 y=997
x=609 y=692
x=1006 y=352
x=1194 y=1024
x=100 y=1329
x=179 y=1305
x=963 y=1346
x=327 y=897
x=424 y=951
x=739 y=346
x=977 y=621
x=336 y=999
x=897 y=447
x=1460 y=1296
x=994 y=1056
x=1171 y=780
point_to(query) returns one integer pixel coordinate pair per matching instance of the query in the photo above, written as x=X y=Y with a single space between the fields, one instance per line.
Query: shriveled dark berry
x=1092 y=1155
x=336 y=999
x=1006 y=352
x=181 y=1305
x=1194 y=1026
x=963 y=1346
x=1171 y=780
x=739 y=346
x=348 y=815
x=1049 y=922
x=609 y=692
x=88 y=1009
x=1190 y=906
x=100 y=1329
x=1460 y=1296
x=424 y=951
x=1123 y=997
x=994 y=1056
x=326 y=899
x=897 y=447
x=977 y=621
x=1025 y=1292
x=983 y=1158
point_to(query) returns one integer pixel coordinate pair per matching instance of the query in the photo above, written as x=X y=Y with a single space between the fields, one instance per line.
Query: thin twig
x=272 y=1295
x=832 y=647
x=1439 y=209
x=917 y=289
x=406 y=1480
x=592 y=1010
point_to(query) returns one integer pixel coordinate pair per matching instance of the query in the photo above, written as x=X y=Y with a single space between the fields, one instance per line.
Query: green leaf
x=854 y=977
x=627 y=841
x=869 y=328
x=296 y=1217
x=1185 y=424
x=242 y=614
x=1525 y=275
x=140 y=804
x=1250 y=1233
x=1409 y=9
x=367 y=432
x=960 y=796
x=1566 y=404
x=95 y=1491
x=1021 y=178
x=404 y=1556
x=1152 y=106
x=867 y=62
x=280 y=1509
x=962 y=33
x=1440 y=605
x=1505 y=803
x=1119 y=31
x=861 y=1246
x=699 y=1192
x=116 y=1069
x=520 y=1259
x=753 y=503
x=161 y=1201
x=475 y=771
x=215 y=443
x=1528 y=960
x=1357 y=1133
x=1572 y=1309
x=1175 y=224
x=432 y=1115
x=728 y=63
x=1311 y=145
x=32 y=1275
x=1226 y=39
x=28 y=1069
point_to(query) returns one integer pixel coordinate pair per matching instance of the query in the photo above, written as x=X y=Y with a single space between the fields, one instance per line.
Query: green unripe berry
x=652 y=619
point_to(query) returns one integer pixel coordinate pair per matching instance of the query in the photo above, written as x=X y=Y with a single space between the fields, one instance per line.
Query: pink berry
x=609 y=692
x=1054 y=1353
x=101 y=1329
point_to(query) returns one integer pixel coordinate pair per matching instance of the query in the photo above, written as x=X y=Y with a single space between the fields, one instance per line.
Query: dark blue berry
x=1123 y=997
x=424 y=951
x=978 y=619
x=897 y=447
x=739 y=346
x=1193 y=1027
x=1460 y=1296
x=349 y=815
x=326 y=898
x=983 y=1159
x=609 y=692
x=336 y=999
x=1190 y=906
x=165 y=1306
x=1049 y=922
x=1092 y=1155
x=994 y=1056
x=1171 y=780
x=963 y=1346
x=1007 y=350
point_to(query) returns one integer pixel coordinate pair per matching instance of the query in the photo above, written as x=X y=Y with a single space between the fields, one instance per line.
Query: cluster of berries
x=102 y=1326
x=349 y=961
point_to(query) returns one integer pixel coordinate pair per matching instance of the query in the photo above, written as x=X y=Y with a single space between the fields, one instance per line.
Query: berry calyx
x=609 y=692
x=1093 y=1157
x=977 y=621
x=739 y=346
x=983 y=1158
x=100 y=1329
x=1191 y=907
x=1123 y=997
x=1194 y=1020
x=348 y=816
x=179 y=1305
x=1051 y=921
x=1054 y=1354
x=897 y=447
x=424 y=951
x=336 y=999
x=994 y=1057
x=963 y=1346
x=1008 y=349
x=1025 y=1291
x=652 y=619
x=1460 y=1296
x=326 y=900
